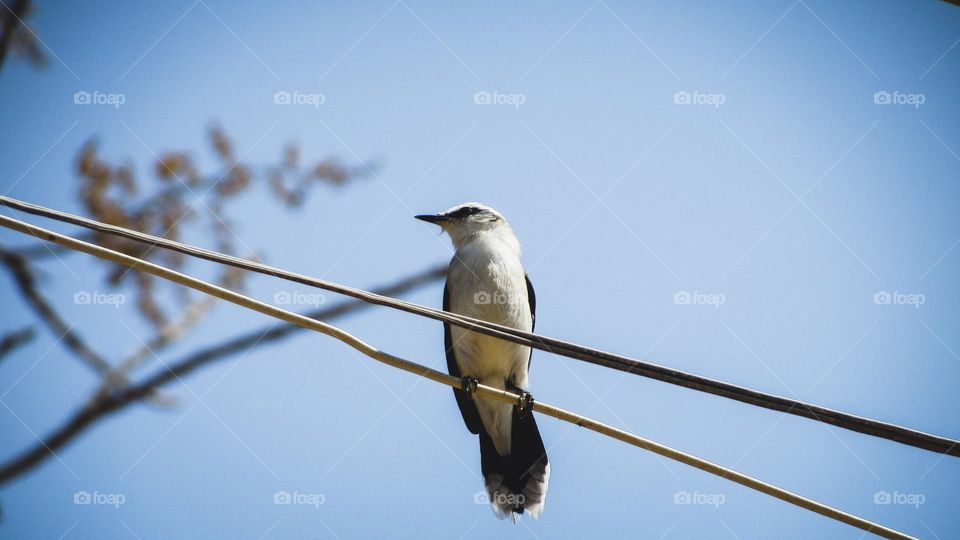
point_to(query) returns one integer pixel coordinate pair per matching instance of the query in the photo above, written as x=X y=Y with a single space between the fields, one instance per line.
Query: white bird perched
x=486 y=281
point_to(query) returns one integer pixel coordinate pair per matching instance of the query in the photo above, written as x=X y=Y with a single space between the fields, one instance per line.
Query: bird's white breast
x=487 y=282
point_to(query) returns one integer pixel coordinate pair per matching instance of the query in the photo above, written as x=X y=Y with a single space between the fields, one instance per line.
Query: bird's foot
x=469 y=384
x=526 y=403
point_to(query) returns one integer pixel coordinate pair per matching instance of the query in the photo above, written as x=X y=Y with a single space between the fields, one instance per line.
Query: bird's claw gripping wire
x=469 y=384
x=526 y=403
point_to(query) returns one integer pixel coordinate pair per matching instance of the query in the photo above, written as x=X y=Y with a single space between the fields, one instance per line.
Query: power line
x=867 y=426
x=484 y=391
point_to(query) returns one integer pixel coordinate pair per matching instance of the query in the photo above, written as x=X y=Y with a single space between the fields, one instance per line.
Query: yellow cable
x=443 y=378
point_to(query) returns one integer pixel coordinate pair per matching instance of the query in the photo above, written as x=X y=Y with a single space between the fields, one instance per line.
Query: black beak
x=431 y=218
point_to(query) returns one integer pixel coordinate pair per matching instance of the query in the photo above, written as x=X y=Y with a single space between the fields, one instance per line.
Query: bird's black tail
x=516 y=483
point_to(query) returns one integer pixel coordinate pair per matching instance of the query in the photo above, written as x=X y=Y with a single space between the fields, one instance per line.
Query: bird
x=486 y=280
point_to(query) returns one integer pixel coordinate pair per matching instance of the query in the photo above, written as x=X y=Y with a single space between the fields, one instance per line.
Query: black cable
x=867 y=426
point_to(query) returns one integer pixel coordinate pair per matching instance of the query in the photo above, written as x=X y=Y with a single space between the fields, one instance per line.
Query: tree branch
x=26 y=282
x=11 y=21
x=105 y=403
x=15 y=339
x=169 y=333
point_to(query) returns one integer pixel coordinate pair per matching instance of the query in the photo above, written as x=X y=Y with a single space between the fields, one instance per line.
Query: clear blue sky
x=794 y=201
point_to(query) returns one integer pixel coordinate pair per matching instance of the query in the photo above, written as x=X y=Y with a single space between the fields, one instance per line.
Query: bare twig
x=26 y=282
x=15 y=339
x=168 y=334
x=11 y=17
x=105 y=403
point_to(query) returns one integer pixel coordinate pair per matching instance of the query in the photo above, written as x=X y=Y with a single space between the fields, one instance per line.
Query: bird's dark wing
x=467 y=407
x=532 y=299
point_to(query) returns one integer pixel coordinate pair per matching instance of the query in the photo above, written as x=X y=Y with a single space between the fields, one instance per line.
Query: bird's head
x=466 y=221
